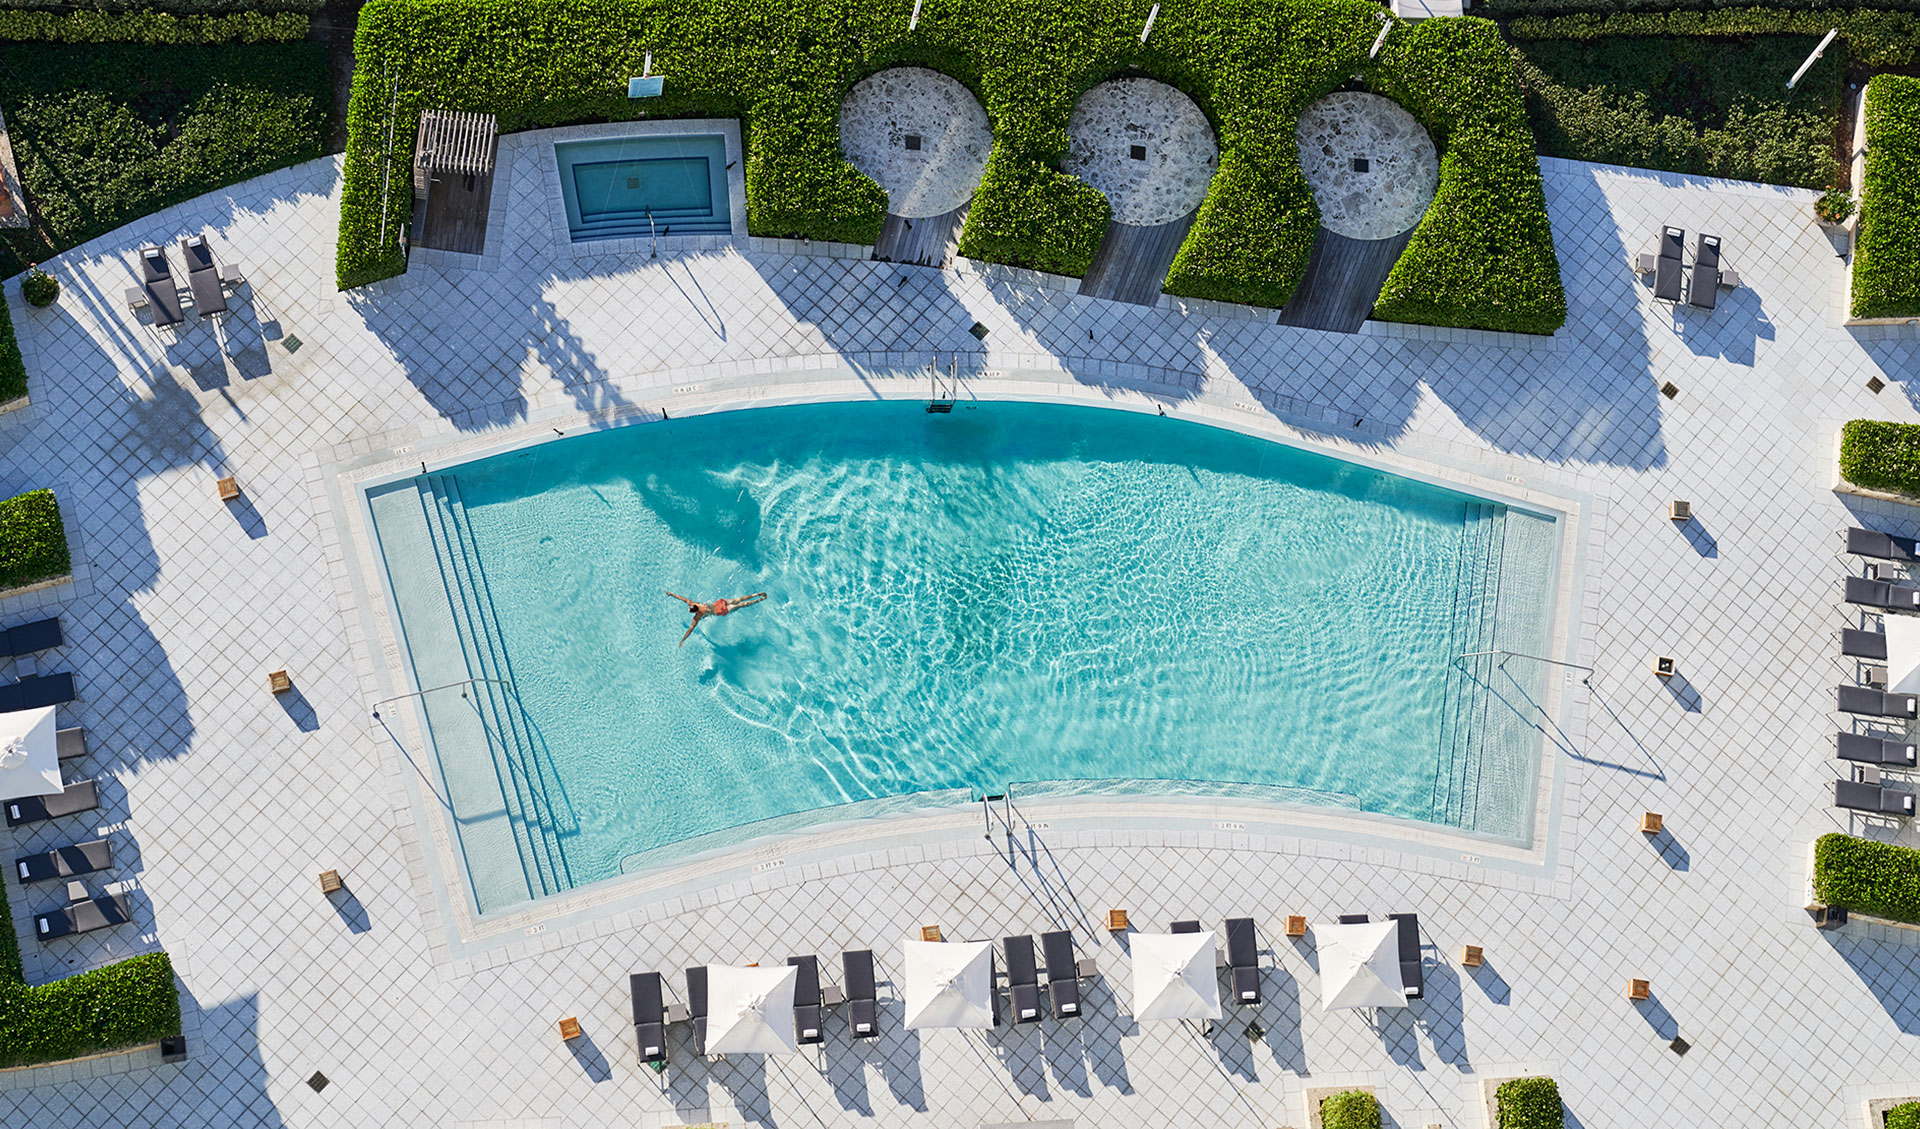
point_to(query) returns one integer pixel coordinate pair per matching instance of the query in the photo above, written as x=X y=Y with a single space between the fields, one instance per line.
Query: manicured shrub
x=1876 y=38
x=38 y=287
x=106 y=133
x=121 y=1005
x=1886 y=250
x=1880 y=455
x=150 y=27
x=33 y=542
x=13 y=368
x=1706 y=106
x=1835 y=205
x=1528 y=1103
x=1350 y=1109
x=1819 y=9
x=1483 y=255
x=1867 y=876
x=1904 y=1116
x=201 y=7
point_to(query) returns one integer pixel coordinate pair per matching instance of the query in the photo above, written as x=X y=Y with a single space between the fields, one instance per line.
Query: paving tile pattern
x=226 y=801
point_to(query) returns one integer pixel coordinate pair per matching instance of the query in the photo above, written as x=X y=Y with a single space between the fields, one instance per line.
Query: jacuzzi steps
x=1469 y=687
x=527 y=783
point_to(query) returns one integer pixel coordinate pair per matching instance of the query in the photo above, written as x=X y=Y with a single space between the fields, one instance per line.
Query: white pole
x=1151 y=16
x=914 y=20
x=1379 y=41
x=1812 y=59
x=646 y=68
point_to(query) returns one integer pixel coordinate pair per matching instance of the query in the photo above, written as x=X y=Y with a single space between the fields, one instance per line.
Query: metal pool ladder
x=943 y=405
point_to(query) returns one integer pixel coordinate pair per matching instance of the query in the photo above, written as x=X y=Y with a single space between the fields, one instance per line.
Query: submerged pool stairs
x=1464 y=721
x=528 y=784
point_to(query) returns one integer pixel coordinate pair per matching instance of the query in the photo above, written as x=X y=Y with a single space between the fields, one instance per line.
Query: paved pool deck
x=226 y=801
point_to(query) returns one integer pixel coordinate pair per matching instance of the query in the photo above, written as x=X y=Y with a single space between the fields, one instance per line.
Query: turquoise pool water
x=630 y=186
x=957 y=604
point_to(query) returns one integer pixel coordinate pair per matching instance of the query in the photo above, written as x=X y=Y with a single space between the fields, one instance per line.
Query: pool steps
x=1464 y=722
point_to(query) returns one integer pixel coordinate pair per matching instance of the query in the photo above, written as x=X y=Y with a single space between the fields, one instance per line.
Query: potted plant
x=38 y=287
x=1834 y=207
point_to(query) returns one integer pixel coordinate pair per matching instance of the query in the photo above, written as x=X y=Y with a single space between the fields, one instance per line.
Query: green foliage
x=1350 y=1109
x=150 y=27
x=1823 y=10
x=1703 y=106
x=784 y=66
x=177 y=7
x=1904 y=1116
x=105 y=133
x=1528 y=1103
x=1867 y=876
x=38 y=287
x=33 y=542
x=1875 y=38
x=121 y=1005
x=13 y=368
x=1835 y=205
x=1483 y=255
x=1886 y=246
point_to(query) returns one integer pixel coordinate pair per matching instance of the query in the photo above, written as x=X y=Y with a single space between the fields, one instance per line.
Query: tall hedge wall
x=1867 y=876
x=150 y=27
x=784 y=65
x=13 y=367
x=1823 y=9
x=1886 y=250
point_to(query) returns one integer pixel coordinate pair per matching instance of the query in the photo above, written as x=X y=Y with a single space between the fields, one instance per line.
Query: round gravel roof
x=1146 y=146
x=920 y=134
x=1372 y=167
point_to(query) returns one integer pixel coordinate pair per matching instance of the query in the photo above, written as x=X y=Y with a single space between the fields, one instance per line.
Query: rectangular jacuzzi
x=626 y=187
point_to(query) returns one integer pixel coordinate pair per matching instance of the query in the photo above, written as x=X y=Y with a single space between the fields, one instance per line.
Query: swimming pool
x=617 y=188
x=1011 y=595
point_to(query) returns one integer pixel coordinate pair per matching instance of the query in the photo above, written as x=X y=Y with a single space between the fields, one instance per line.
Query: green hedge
x=33 y=542
x=1350 y=1109
x=784 y=66
x=1870 y=37
x=177 y=7
x=150 y=27
x=1826 y=10
x=106 y=133
x=1886 y=249
x=13 y=369
x=1483 y=255
x=1905 y=1116
x=1708 y=107
x=1528 y=1103
x=1867 y=876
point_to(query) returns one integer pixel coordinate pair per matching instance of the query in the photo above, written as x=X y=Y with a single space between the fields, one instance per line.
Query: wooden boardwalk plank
x=456 y=215
x=1343 y=279
x=1131 y=264
x=927 y=242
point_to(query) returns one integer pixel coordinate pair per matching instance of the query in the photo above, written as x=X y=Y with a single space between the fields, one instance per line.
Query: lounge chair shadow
x=299 y=709
x=1023 y=1053
x=1669 y=849
x=244 y=512
x=1280 y=1015
x=1492 y=984
x=1443 y=1013
x=1658 y=1017
x=902 y=1071
x=1683 y=692
x=1398 y=1036
x=587 y=1053
x=1697 y=535
x=744 y=1078
x=1233 y=1046
x=1066 y=1054
x=846 y=1070
x=348 y=906
x=1103 y=1029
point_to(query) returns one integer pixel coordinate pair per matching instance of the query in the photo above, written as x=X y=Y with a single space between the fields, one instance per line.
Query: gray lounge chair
x=806 y=1001
x=1856 y=795
x=1882 y=594
x=65 y=862
x=79 y=797
x=1666 y=270
x=1705 y=291
x=697 y=1006
x=162 y=290
x=1353 y=919
x=1884 y=546
x=83 y=917
x=649 y=1016
x=203 y=277
x=1410 y=974
x=863 y=1006
x=1243 y=960
x=1860 y=748
x=1869 y=702
x=1023 y=979
x=40 y=635
x=1858 y=644
x=37 y=691
x=1063 y=973
x=71 y=742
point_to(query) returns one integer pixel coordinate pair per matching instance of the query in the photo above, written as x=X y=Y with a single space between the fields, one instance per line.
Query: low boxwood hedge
x=1867 y=876
x=1528 y=1103
x=1880 y=455
x=1886 y=248
x=1875 y=38
x=150 y=27
x=1483 y=255
x=33 y=542
x=783 y=66
x=1350 y=1109
x=13 y=370
x=1904 y=1116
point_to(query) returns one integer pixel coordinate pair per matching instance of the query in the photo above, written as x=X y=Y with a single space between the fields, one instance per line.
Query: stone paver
x=228 y=800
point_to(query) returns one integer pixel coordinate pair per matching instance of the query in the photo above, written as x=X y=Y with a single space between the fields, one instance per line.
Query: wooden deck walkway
x=927 y=242
x=456 y=214
x=1342 y=282
x=1131 y=264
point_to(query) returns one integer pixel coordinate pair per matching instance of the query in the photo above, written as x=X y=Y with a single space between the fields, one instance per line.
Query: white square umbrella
x=1360 y=965
x=29 y=754
x=1903 y=653
x=949 y=983
x=750 y=1010
x=1174 y=977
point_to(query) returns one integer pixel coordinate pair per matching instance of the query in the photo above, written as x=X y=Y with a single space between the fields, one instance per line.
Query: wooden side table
x=1116 y=921
x=930 y=933
x=1638 y=989
x=569 y=1029
x=1296 y=925
x=330 y=882
x=279 y=681
x=229 y=489
x=1471 y=957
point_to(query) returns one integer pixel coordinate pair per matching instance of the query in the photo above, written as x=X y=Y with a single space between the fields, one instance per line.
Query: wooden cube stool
x=1638 y=989
x=229 y=488
x=1116 y=921
x=1472 y=957
x=930 y=933
x=1651 y=823
x=279 y=681
x=1296 y=925
x=569 y=1029
x=330 y=882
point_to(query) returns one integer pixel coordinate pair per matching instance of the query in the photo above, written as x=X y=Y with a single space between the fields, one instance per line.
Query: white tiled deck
x=227 y=801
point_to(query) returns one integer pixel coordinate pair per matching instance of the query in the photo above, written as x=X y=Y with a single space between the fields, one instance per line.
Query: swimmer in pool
x=720 y=606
